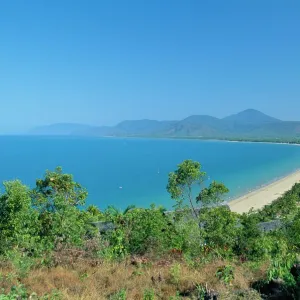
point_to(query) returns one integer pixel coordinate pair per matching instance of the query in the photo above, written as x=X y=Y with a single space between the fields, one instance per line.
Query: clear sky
x=100 y=62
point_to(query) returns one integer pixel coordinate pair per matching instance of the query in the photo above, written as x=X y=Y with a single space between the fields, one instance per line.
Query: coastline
x=208 y=139
x=264 y=195
x=285 y=141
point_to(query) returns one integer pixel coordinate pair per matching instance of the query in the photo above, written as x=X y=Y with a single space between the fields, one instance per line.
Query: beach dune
x=264 y=195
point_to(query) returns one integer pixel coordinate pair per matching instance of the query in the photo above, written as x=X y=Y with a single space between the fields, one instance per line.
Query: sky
x=101 y=62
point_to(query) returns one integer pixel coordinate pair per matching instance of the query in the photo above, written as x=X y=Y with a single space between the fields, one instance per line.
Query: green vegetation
x=279 y=140
x=50 y=248
x=182 y=181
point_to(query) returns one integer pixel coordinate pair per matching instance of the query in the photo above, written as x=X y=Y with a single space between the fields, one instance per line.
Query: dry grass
x=85 y=281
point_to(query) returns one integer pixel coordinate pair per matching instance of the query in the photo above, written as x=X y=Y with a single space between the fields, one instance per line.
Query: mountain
x=251 y=116
x=247 y=123
x=59 y=129
x=287 y=129
x=197 y=125
x=250 y=123
x=132 y=128
x=141 y=127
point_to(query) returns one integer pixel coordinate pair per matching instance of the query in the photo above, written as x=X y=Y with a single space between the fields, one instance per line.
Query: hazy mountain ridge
x=249 y=123
x=59 y=129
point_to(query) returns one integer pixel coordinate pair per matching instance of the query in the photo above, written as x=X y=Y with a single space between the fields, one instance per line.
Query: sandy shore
x=264 y=195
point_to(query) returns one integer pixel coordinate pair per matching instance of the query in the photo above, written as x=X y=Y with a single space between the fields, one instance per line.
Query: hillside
x=54 y=245
x=197 y=125
x=246 y=124
x=132 y=128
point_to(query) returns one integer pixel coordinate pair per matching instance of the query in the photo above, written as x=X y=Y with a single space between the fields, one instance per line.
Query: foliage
x=249 y=239
x=117 y=244
x=293 y=230
x=19 y=224
x=282 y=207
x=121 y=295
x=219 y=228
x=212 y=194
x=35 y=224
x=149 y=295
x=21 y=263
x=182 y=180
x=187 y=235
x=175 y=272
x=57 y=199
x=201 y=292
x=280 y=269
x=148 y=230
x=16 y=292
x=19 y=292
x=142 y=230
x=58 y=190
x=225 y=274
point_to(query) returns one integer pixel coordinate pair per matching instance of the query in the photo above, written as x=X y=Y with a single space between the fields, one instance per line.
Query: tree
x=182 y=180
x=116 y=215
x=212 y=194
x=57 y=198
x=57 y=190
x=148 y=230
x=18 y=220
x=185 y=178
x=94 y=211
x=219 y=227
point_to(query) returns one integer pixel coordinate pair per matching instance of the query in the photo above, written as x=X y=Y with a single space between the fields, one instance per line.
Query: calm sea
x=123 y=171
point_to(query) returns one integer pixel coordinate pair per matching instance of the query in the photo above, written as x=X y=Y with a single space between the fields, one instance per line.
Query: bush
x=219 y=228
x=225 y=274
x=147 y=230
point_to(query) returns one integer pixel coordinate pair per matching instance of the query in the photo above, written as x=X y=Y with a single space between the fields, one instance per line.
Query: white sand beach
x=264 y=195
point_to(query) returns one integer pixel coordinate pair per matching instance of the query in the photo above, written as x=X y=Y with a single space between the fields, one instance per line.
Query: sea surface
x=124 y=171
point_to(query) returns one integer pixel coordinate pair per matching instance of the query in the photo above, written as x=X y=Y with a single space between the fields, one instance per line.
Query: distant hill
x=197 y=126
x=287 y=129
x=251 y=116
x=59 y=129
x=131 y=128
x=250 y=123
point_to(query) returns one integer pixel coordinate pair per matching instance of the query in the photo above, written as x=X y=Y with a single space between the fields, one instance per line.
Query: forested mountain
x=246 y=124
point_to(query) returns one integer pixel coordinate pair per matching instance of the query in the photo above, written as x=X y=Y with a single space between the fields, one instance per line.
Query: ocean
x=124 y=171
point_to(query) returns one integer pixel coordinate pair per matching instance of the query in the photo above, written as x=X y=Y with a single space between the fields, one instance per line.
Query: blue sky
x=100 y=62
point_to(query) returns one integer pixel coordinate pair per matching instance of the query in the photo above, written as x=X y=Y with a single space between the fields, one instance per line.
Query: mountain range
x=249 y=123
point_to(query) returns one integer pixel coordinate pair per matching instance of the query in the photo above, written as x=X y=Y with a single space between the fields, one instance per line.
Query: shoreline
x=265 y=194
x=196 y=138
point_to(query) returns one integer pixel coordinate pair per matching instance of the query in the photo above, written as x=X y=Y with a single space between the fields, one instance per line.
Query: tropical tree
x=57 y=190
x=213 y=194
x=116 y=215
x=148 y=229
x=57 y=198
x=182 y=183
x=219 y=228
x=18 y=220
x=94 y=211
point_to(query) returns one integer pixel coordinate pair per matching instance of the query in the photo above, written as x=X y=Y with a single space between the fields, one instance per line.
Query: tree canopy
x=189 y=178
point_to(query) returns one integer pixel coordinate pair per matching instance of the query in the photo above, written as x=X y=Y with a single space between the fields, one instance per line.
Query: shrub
x=219 y=228
x=225 y=274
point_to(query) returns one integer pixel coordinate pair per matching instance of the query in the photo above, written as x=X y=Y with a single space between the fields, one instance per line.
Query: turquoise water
x=141 y=166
